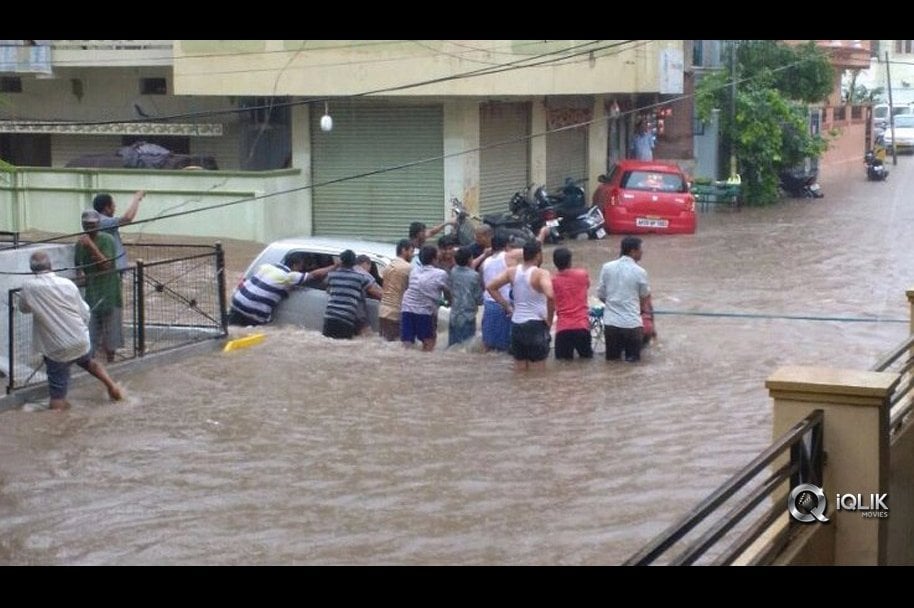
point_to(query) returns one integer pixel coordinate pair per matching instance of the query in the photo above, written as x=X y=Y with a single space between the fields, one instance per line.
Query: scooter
x=514 y=225
x=800 y=184
x=577 y=219
x=875 y=162
x=875 y=168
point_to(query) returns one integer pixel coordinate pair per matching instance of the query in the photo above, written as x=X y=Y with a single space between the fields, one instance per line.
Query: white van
x=881 y=114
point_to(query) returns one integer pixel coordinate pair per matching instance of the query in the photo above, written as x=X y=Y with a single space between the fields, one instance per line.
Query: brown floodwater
x=304 y=450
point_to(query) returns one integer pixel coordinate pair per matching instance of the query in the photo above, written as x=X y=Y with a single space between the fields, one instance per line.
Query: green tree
x=769 y=131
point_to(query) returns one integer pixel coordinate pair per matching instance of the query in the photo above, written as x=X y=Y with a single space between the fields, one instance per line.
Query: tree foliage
x=769 y=131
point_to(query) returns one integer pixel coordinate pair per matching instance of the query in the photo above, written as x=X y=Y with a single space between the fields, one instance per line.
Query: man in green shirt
x=95 y=261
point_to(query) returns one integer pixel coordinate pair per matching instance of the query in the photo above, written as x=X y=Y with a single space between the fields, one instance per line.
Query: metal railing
x=9 y=239
x=173 y=298
x=87 y=45
x=804 y=441
x=901 y=403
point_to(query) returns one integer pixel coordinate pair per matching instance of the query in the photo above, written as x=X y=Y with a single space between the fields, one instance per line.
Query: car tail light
x=690 y=203
x=614 y=199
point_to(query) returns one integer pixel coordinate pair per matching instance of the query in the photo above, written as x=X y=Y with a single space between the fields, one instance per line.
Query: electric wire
x=405 y=165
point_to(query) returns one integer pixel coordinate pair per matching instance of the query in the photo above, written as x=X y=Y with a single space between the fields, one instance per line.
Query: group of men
x=67 y=328
x=520 y=299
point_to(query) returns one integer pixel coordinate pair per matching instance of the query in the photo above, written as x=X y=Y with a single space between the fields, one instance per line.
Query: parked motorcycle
x=577 y=220
x=800 y=184
x=515 y=225
x=875 y=162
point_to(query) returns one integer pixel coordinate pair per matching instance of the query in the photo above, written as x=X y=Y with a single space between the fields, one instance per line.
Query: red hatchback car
x=645 y=196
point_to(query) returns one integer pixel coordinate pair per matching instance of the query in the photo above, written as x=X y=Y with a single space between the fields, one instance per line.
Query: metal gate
x=174 y=295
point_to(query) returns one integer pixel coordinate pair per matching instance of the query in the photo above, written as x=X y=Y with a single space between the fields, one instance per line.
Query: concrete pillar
x=461 y=171
x=597 y=145
x=301 y=159
x=538 y=142
x=856 y=444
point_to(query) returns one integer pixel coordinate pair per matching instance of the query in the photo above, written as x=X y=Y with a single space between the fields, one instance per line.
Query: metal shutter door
x=368 y=137
x=503 y=170
x=566 y=156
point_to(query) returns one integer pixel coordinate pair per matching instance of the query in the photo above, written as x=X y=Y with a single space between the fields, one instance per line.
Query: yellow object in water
x=243 y=342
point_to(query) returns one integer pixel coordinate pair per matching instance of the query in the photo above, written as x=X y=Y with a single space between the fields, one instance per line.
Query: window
x=697 y=52
x=654 y=181
x=153 y=86
x=904 y=47
x=10 y=84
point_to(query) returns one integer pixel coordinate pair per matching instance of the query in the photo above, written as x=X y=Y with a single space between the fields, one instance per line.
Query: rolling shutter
x=566 y=156
x=369 y=137
x=503 y=170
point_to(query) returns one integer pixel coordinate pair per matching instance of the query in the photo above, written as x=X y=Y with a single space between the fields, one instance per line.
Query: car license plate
x=552 y=223
x=601 y=233
x=649 y=222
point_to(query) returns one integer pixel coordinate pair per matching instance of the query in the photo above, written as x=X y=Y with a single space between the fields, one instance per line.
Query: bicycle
x=596 y=328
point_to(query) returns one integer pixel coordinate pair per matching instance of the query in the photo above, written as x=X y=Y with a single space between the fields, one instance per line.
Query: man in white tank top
x=533 y=308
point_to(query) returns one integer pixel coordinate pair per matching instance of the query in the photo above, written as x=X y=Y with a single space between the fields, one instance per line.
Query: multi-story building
x=418 y=122
x=67 y=98
x=414 y=122
x=900 y=66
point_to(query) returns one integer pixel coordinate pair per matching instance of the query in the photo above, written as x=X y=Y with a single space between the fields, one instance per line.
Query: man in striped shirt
x=253 y=302
x=346 y=289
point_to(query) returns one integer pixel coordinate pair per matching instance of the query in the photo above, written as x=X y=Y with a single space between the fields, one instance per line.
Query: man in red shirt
x=571 y=308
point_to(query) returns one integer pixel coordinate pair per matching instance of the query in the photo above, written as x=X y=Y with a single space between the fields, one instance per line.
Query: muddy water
x=308 y=451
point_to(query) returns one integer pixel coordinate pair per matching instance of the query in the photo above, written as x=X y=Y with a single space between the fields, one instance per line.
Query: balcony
x=110 y=53
x=25 y=57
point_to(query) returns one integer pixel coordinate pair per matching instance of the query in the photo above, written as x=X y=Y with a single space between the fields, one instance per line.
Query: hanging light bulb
x=326 y=121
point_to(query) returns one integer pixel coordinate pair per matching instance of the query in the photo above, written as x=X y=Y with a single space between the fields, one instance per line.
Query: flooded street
x=305 y=450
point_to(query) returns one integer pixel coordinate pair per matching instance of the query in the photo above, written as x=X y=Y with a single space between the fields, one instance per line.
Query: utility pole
x=888 y=76
x=733 y=107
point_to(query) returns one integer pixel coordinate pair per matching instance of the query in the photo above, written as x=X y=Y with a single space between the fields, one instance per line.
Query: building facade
x=414 y=123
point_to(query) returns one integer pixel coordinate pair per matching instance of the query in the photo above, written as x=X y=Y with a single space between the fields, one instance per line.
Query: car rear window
x=653 y=180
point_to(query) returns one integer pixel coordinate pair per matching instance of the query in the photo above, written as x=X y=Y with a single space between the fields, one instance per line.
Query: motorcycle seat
x=499 y=219
x=571 y=210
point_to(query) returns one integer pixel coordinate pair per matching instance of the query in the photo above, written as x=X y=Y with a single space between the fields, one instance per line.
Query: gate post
x=10 y=354
x=220 y=282
x=856 y=444
x=140 y=297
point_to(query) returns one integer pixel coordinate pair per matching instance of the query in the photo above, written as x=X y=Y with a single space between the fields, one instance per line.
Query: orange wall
x=845 y=152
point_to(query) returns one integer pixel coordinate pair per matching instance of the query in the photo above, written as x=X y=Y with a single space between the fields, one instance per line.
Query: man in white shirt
x=625 y=291
x=61 y=332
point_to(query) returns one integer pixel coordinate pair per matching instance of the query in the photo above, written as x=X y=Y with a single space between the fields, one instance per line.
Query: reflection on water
x=305 y=450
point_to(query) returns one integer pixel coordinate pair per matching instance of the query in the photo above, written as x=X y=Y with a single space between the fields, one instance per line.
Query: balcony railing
x=87 y=45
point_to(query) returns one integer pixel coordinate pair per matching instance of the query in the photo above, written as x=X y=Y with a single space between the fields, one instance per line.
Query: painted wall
x=108 y=93
x=901 y=498
x=845 y=150
x=350 y=67
x=461 y=170
x=113 y=94
x=52 y=199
